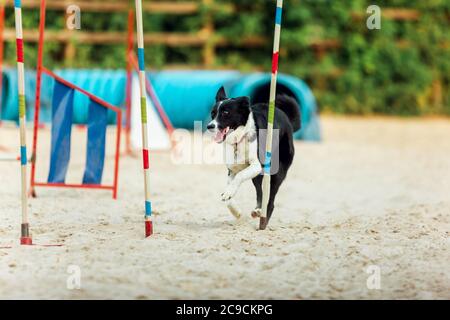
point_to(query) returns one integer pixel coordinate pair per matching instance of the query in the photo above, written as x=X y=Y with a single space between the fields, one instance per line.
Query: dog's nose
x=211 y=126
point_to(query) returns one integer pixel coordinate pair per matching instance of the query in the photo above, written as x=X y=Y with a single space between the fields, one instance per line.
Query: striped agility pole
x=271 y=113
x=25 y=237
x=140 y=42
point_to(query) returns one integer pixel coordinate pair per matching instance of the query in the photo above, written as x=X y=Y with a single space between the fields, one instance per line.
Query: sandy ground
x=375 y=195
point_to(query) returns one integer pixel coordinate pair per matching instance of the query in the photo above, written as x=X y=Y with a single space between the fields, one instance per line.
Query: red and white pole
x=270 y=116
x=145 y=153
x=25 y=237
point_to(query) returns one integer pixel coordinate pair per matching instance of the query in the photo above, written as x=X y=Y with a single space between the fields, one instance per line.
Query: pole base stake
x=25 y=237
x=148 y=228
x=262 y=223
x=26 y=241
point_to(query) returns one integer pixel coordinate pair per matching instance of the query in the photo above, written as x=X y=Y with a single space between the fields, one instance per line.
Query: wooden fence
x=205 y=38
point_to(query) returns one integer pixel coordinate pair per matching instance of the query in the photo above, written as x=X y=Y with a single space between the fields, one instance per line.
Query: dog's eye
x=225 y=112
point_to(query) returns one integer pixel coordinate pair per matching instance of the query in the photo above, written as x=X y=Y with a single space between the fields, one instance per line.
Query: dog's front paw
x=229 y=193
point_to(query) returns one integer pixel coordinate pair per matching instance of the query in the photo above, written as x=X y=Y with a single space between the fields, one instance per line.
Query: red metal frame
x=41 y=69
x=130 y=45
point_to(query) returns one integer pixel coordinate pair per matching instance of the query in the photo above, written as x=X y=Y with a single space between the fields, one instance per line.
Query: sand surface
x=375 y=195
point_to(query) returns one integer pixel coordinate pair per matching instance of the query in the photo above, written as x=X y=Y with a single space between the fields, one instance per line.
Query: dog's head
x=228 y=114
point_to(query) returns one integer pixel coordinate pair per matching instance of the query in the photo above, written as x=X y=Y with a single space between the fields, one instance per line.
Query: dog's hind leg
x=275 y=184
x=257 y=182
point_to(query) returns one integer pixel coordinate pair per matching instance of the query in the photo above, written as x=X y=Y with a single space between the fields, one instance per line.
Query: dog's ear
x=221 y=95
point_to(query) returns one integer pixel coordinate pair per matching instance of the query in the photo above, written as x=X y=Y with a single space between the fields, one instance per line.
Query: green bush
x=402 y=69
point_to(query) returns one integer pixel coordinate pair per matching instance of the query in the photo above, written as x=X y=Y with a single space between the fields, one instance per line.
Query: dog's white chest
x=241 y=147
x=237 y=156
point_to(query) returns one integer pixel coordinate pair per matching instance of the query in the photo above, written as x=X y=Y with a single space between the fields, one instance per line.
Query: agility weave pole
x=154 y=98
x=271 y=113
x=145 y=154
x=25 y=237
x=133 y=64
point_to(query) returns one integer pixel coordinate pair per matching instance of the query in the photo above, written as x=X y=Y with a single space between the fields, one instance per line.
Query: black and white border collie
x=242 y=127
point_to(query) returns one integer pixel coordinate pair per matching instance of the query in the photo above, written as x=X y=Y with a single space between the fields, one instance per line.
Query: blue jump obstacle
x=62 y=115
x=62 y=119
x=63 y=100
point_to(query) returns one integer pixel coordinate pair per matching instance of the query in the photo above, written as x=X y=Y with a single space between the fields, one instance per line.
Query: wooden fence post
x=209 y=50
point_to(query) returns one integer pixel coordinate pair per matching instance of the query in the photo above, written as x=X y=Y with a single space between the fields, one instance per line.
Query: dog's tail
x=291 y=108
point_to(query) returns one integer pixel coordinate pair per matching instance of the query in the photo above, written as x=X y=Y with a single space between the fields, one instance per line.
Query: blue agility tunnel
x=187 y=96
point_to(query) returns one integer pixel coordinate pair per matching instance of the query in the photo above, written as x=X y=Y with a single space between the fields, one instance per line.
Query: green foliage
x=402 y=69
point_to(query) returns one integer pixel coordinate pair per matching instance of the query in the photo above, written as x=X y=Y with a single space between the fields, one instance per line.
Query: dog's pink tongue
x=220 y=135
